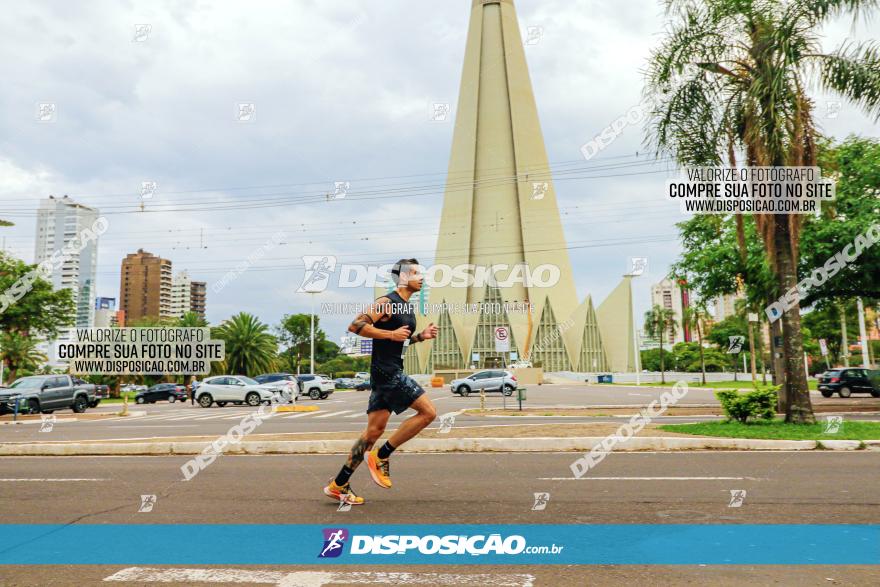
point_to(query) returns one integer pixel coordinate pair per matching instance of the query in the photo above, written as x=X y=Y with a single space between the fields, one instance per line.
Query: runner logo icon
x=334 y=542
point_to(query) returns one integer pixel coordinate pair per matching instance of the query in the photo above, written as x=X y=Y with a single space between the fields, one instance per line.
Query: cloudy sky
x=342 y=91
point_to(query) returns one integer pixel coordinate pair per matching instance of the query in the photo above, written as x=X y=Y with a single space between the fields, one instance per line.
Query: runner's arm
x=427 y=334
x=363 y=323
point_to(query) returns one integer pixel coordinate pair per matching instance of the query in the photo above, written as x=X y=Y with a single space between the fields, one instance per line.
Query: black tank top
x=387 y=356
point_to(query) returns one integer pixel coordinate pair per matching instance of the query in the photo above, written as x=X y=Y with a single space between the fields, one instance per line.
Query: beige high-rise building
x=198 y=293
x=500 y=209
x=670 y=296
x=145 y=286
x=725 y=306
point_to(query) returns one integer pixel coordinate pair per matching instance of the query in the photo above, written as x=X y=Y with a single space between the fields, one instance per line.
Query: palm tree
x=19 y=351
x=190 y=320
x=695 y=317
x=732 y=74
x=250 y=349
x=658 y=321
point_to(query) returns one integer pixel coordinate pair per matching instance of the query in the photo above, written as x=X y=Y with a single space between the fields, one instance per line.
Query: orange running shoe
x=342 y=493
x=380 y=469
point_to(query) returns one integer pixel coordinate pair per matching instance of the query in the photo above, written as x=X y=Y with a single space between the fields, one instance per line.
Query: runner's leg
x=414 y=424
x=376 y=422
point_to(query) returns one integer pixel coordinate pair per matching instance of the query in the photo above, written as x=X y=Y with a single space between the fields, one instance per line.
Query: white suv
x=236 y=389
x=316 y=386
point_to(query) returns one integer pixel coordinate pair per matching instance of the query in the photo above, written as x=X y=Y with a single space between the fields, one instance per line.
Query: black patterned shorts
x=395 y=395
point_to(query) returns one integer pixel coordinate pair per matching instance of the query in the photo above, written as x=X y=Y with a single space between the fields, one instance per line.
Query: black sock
x=386 y=450
x=344 y=475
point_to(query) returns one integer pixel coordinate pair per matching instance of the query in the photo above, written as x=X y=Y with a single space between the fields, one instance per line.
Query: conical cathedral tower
x=500 y=209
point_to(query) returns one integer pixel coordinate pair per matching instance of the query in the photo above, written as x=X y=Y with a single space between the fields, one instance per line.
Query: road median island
x=834 y=433
x=629 y=410
x=519 y=438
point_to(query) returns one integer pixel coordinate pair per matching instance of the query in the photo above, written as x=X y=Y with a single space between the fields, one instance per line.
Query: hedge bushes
x=760 y=403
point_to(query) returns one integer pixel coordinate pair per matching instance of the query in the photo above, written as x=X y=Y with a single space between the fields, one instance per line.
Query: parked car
x=316 y=386
x=845 y=382
x=47 y=393
x=363 y=385
x=162 y=391
x=487 y=380
x=285 y=384
x=346 y=382
x=237 y=389
x=362 y=375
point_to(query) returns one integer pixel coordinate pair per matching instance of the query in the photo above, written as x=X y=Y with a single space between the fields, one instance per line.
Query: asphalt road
x=790 y=487
x=345 y=411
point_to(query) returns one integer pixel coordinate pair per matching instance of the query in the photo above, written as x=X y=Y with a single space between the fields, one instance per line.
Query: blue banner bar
x=619 y=544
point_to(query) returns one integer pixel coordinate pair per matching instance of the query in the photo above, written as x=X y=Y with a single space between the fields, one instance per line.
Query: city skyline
x=387 y=136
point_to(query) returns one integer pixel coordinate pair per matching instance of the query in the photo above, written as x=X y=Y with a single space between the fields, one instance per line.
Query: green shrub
x=760 y=403
x=348 y=374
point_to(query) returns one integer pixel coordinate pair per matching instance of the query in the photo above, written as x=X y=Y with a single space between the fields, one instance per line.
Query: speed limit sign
x=502 y=339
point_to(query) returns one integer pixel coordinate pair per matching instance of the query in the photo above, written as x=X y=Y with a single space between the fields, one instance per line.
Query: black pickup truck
x=47 y=393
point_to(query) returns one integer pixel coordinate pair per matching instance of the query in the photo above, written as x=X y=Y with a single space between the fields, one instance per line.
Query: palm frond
x=853 y=71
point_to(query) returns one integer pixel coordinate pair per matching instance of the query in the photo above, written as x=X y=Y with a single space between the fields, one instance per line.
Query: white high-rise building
x=59 y=221
x=181 y=294
x=670 y=296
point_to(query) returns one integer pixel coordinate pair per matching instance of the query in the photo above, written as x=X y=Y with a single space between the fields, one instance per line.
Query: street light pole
x=312 y=333
x=863 y=337
x=635 y=330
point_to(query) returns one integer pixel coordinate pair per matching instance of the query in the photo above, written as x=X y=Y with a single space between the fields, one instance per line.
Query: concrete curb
x=840 y=444
x=423 y=445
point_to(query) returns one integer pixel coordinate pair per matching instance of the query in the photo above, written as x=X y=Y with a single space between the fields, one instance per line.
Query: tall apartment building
x=671 y=296
x=187 y=295
x=145 y=285
x=725 y=306
x=198 y=294
x=59 y=220
x=181 y=294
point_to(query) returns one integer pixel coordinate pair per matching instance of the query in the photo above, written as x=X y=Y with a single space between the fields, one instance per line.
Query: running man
x=390 y=321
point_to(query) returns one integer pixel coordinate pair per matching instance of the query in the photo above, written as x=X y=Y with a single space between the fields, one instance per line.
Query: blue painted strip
x=621 y=544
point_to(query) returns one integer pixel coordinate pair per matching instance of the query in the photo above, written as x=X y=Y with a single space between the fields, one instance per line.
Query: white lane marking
x=648 y=478
x=220 y=416
x=339 y=413
x=298 y=415
x=154 y=426
x=358 y=415
x=315 y=578
x=49 y=480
